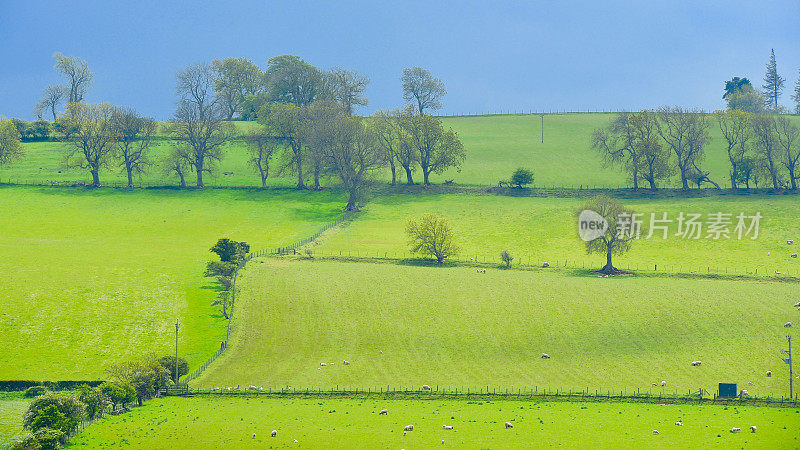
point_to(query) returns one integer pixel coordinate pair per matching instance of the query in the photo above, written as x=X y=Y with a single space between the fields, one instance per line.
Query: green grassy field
x=495 y=145
x=545 y=229
x=405 y=326
x=204 y=422
x=12 y=406
x=89 y=277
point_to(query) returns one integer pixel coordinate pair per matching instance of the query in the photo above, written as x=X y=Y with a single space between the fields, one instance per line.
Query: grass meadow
x=204 y=422
x=403 y=326
x=92 y=277
x=496 y=145
x=12 y=406
x=545 y=229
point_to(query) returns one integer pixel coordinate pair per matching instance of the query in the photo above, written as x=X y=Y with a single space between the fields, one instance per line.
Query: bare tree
x=134 y=138
x=620 y=231
x=796 y=94
x=423 y=89
x=389 y=137
x=79 y=77
x=91 y=138
x=261 y=147
x=788 y=136
x=766 y=146
x=346 y=87
x=174 y=163
x=282 y=122
x=685 y=132
x=736 y=129
x=437 y=149
x=199 y=125
x=51 y=98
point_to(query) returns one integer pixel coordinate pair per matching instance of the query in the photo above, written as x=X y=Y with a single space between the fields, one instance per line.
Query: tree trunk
x=609 y=267
x=200 y=178
x=425 y=174
x=183 y=178
x=130 y=175
x=263 y=182
x=139 y=399
x=733 y=178
x=53 y=110
x=352 y=204
x=95 y=178
x=635 y=181
x=793 y=179
x=684 y=181
x=409 y=176
x=394 y=172
x=652 y=182
x=316 y=178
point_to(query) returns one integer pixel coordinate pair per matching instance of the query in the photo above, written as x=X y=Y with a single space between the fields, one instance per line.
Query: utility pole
x=176 y=350
x=542 y=128
x=789 y=362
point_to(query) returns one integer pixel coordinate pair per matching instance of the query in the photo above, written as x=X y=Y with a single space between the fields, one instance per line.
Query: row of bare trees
x=654 y=146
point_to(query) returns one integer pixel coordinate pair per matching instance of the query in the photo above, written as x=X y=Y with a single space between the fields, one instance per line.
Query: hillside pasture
x=537 y=229
x=246 y=422
x=91 y=277
x=402 y=326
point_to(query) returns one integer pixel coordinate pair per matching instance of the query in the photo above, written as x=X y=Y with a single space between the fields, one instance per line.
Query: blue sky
x=492 y=56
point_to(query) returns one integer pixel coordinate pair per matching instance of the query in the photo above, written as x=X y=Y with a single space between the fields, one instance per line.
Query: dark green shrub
x=522 y=177
x=44 y=439
x=35 y=391
x=54 y=410
x=168 y=362
x=94 y=401
x=118 y=393
x=230 y=251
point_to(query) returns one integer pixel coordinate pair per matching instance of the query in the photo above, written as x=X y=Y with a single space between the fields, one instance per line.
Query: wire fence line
x=271 y=251
x=701 y=396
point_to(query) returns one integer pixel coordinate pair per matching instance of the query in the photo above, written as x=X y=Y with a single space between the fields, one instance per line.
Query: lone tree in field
x=773 y=83
x=235 y=80
x=619 y=233
x=423 y=89
x=79 y=77
x=431 y=235
x=134 y=138
x=506 y=257
x=10 y=142
x=199 y=125
x=91 y=138
x=522 y=177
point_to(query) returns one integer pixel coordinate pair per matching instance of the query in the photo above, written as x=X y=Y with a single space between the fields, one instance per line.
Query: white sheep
x=346 y=362
x=696 y=363
x=546 y=264
x=769 y=373
x=408 y=428
x=383 y=411
x=447 y=427
x=545 y=356
x=797 y=305
x=425 y=387
x=274 y=433
x=252 y=388
x=663 y=383
x=322 y=364
x=752 y=428
x=793 y=255
x=787 y=325
x=735 y=429
x=790 y=241
x=254 y=435
x=680 y=424
x=655 y=384
x=655 y=431
x=745 y=393
x=509 y=425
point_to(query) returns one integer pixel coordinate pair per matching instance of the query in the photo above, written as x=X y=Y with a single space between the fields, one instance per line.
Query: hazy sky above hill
x=492 y=56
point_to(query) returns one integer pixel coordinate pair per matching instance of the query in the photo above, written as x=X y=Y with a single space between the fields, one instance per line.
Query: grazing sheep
x=735 y=429
x=274 y=433
x=322 y=364
x=655 y=384
x=769 y=373
x=295 y=441
x=752 y=428
x=254 y=435
x=797 y=305
x=696 y=363
x=447 y=427
x=787 y=325
x=793 y=255
x=790 y=241
x=509 y=425
x=425 y=387
x=408 y=428
x=655 y=431
x=252 y=388
x=546 y=264
x=750 y=383
x=680 y=424
x=346 y=362
x=545 y=356
x=383 y=411
x=745 y=393
x=663 y=383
